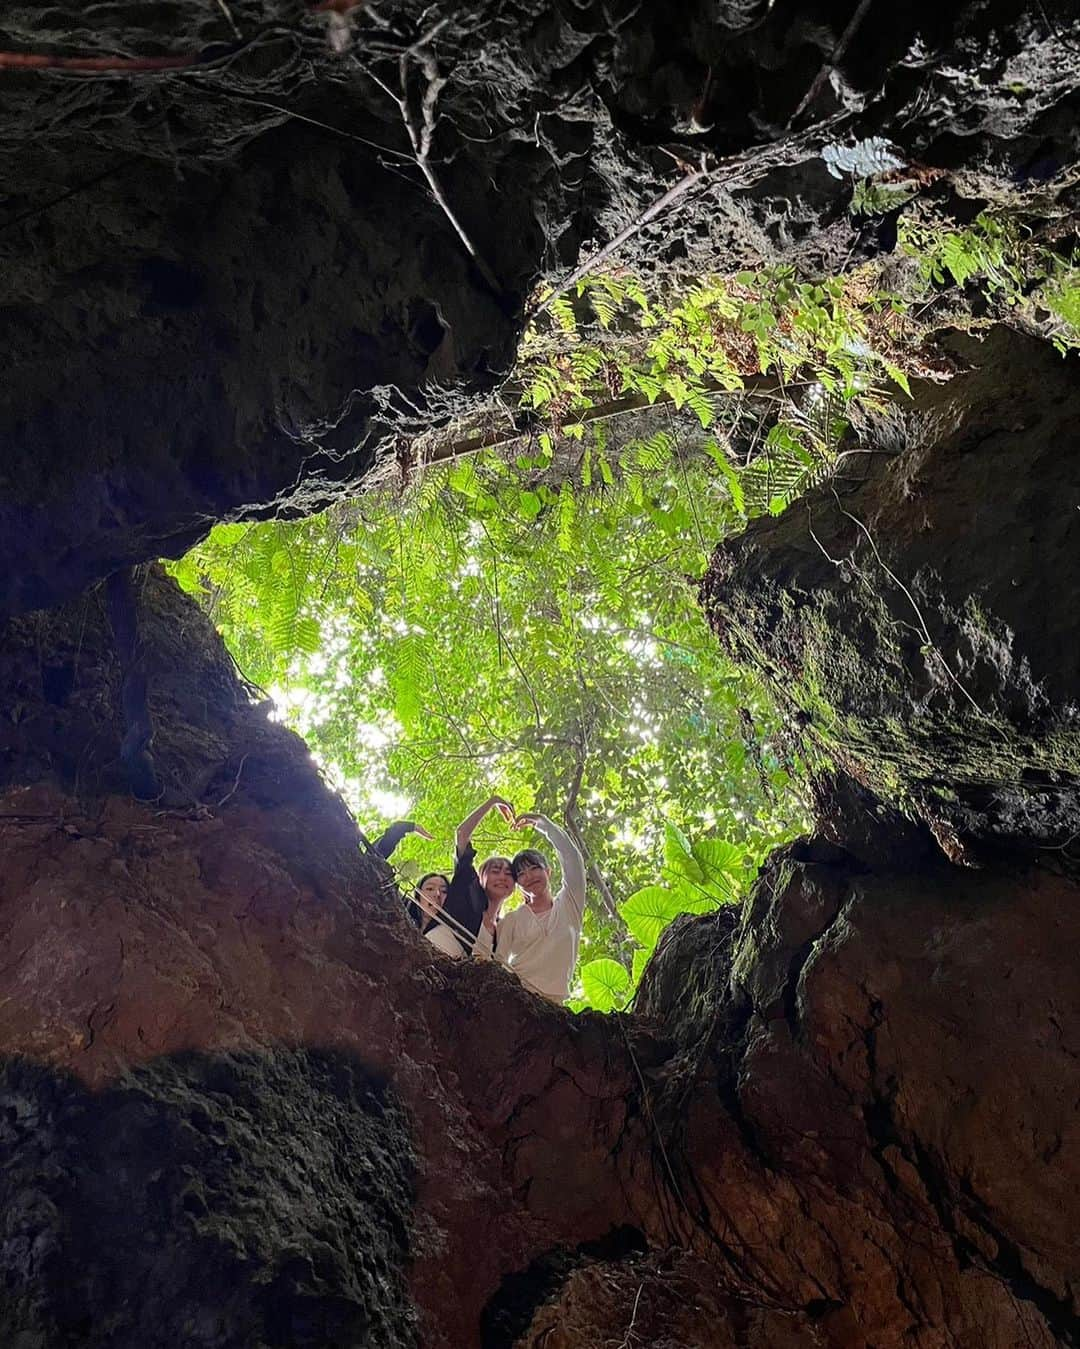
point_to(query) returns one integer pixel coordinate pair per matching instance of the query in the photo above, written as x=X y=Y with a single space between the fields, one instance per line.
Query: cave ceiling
x=228 y=285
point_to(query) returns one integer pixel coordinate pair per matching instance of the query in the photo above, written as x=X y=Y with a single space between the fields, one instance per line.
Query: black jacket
x=465 y=899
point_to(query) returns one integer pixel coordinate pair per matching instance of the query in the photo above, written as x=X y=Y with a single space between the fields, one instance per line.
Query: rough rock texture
x=243 y=917
x=164 y=1210
x=225 y=286
x=845 y=1116
x=914 y=613
x=877 y=1142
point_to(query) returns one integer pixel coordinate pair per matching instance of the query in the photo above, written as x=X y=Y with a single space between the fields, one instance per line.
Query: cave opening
x=660 y=418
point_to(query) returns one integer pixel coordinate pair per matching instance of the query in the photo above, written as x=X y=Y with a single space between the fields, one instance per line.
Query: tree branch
x=422 y=136
x=574 y=830
x=523 y=424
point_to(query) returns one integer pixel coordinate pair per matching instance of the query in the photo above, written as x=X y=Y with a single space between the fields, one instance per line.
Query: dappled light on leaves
x=516 y=611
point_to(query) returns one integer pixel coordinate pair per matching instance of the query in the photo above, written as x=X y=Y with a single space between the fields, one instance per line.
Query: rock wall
x=167 y=1209
x=227 y=287
x=912 y=613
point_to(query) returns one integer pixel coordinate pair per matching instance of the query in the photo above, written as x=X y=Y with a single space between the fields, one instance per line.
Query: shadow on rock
x=227 y=1200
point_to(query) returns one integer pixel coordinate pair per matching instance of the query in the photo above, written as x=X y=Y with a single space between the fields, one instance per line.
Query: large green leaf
x=637 y=968
x=721 y=862
x=649 y=911
x=679 y=858
x=606 y=984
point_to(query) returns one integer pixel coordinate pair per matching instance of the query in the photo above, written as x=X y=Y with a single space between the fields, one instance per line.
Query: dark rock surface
x=205 y=1201
x=917 y=613
x=226 y=286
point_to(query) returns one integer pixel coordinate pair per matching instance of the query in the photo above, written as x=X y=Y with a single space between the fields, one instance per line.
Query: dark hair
x=528 y=857
x=495 y=857
x=416 y=913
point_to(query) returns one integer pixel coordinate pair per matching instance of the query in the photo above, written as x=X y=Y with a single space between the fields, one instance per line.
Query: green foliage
x=696 y=877
x=527 y=623
x=606 y=985
x=489 y=630
x=986 y=250
x=997 y=256
x=1061 y=296
x=870 y=198
x=463 y=653
x=811 y=343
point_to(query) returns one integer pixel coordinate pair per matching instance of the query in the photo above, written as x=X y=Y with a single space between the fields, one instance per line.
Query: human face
x=498 y=880
x=433 y=895
x=534 y=878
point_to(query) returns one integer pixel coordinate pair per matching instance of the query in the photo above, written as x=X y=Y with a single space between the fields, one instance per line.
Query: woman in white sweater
x=539 y=941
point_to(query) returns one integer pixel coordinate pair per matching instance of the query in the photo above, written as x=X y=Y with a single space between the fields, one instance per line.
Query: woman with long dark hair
x=426 y=910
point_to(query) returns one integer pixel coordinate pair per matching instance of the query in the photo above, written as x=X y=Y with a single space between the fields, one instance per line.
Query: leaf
x=648 y=911
x=721 y=863
x=648 y=385
x=307 y=636
x=864 y=159
x=898 y=377
x=700 y=404
x=675 y=388
x=654 y=453
x=960 y=263
x=606 y=983
x=678 y=856
x=731 y=477
x=566 y=517
x=187 y=574
x=529 y=505
x=462 y=478
x=640 y=960
x=562 y=311
x=585 y=362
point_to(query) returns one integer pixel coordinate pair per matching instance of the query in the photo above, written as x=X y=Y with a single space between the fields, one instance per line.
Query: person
x=431 y=892
x=539 y=941
x=476 y=895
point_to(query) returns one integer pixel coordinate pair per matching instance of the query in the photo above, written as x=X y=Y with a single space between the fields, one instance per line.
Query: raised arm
x=387 y=841
x=571 y=861
x=467 y=827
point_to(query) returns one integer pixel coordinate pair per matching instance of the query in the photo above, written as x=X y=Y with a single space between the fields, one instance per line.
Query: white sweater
x=542 y=949
x=444 y=940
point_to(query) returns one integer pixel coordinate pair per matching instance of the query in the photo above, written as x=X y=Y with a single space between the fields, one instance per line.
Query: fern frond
x=655 y=453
